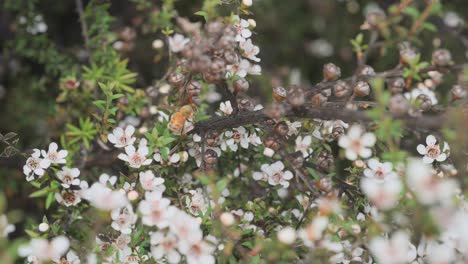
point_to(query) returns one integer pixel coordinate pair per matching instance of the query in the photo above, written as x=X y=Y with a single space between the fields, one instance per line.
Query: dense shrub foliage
x=233 y=131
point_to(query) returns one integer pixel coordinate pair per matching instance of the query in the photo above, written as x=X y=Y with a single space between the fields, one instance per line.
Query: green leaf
x=50 y=199
x=40 y=193
x=203 y=14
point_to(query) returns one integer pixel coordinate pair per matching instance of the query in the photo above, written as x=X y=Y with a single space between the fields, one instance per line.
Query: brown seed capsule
x=245 y=105
x=152 y=91
x=241 y=85
x=297 y=159
x=318 y=99
x=218 y=65
x=176 y=79
x=424 y=102
x=279 y=93
x=367 y=70
x=214 y=27
x=337 y=131
x=212 y=77
x=231 y=57
x=282 y=129
x=211 y=157
x=396 y=85
x=275 y=111
x=331 y=72
x=296 y=96
x=325 y=160
x=457 y=92
x=361 y=89
x=398 y=105
x=441 y=57
x=272 y=142
x=341 y=89
x=212 y=138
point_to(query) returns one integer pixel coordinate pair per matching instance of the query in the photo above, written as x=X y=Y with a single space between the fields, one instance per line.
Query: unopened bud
x=279 y=93
x=457 y=92
x=296 y=96
x=441 y=57
x=398 y=105
x=227 y=219
x=241 y=85
x=361 y=89
x=341 y=89
x=396 y=85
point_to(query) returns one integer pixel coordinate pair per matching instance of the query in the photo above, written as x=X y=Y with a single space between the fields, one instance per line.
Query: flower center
x=433 y=151
x=33 y=163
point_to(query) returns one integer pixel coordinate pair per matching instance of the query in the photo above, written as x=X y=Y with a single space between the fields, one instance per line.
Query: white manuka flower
x=199 y=252
x=432 y=151
x=123 y=219
x=69 y=177
x=240 y=69
x=395 y=250
x=427 y=187
x=421 y=90
x=136 y=158
x=43 y=250
x=151 y=183
x=165 y=245
x=186 y=228
x=383 y=193
x=237 y=136
x=5 y=228
x=104 y=198
x=313 y=231
x=378 y=170
x=70 y=258
x=156 y=210
x=53 y=155
x=177 y=43
x=303 y=145
x=357 y=143
x=68 y=198
x=242 y=29
x=226 y=107
x=122 y=138
x=35 y=165
x=250 y=50
x=275 y=175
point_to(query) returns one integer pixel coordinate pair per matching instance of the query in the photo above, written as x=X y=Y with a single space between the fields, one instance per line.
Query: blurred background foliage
x=296 y=36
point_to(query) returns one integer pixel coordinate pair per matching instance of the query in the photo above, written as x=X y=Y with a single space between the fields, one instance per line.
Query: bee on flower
x=180 y=122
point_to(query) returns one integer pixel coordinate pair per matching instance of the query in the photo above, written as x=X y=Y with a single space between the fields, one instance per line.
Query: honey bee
x=179 y=120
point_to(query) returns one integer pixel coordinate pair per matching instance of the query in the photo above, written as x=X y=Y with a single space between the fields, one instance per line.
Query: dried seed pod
x=279 y=93
x=331 y=72
x=398 y=105
x=319 y=99
x=282 y=129
x=297 y=159
x=245 y=105
x=176 y=79
x=325 y=160
x=296 y=96
x=361 y=89
x=275 y=111
x=441 y=57
x=212 y=77
x=218 y=65
x=367 y=70
x=241 y=85
x=231 y=57
x=424 y=102
x=272 y=142
x=396 y=85
x=457 y=92
x=210 y=157
x=212 y=138
x=341 y=89
x=337 y=131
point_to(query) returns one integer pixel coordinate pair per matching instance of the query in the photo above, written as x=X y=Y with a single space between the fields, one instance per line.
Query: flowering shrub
x=225 y=157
